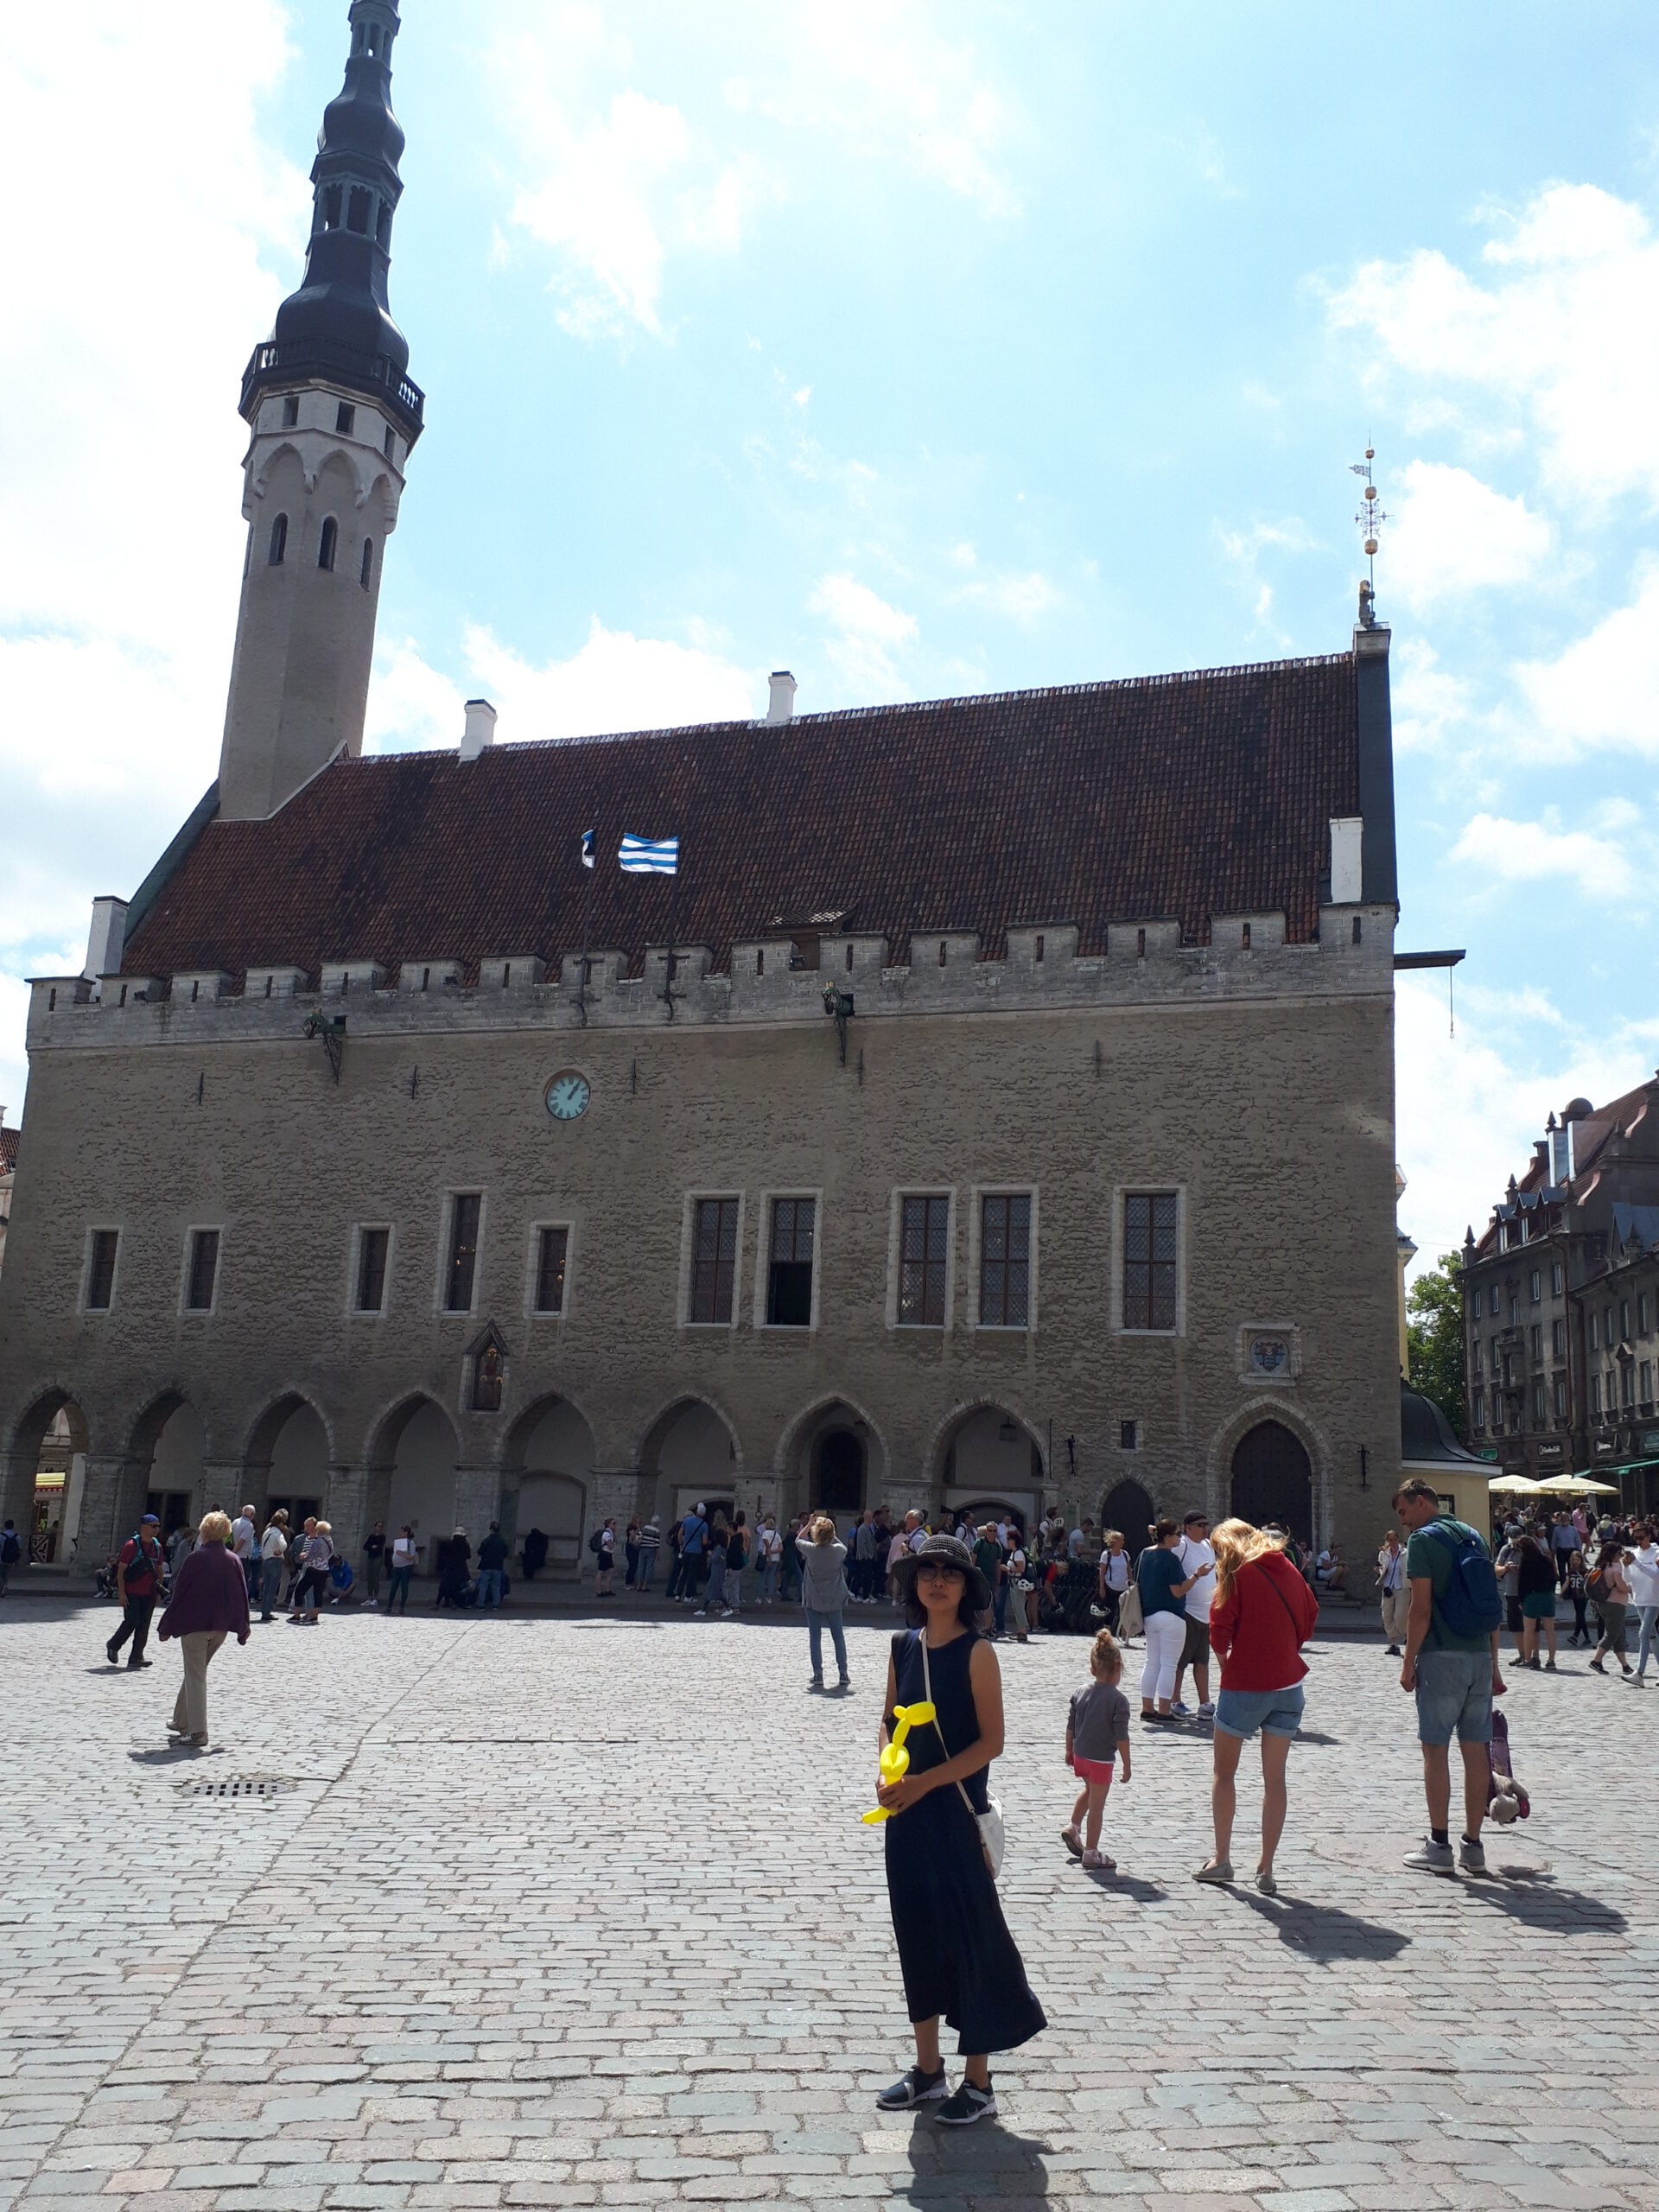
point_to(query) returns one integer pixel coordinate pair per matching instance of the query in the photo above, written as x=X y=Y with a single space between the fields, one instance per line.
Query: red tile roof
x=1178 y=796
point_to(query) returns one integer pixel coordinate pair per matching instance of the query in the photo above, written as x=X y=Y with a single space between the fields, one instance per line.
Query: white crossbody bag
x=992 y=1839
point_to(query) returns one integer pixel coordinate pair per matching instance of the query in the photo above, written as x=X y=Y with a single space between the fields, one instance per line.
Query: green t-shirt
x=1429 y=1556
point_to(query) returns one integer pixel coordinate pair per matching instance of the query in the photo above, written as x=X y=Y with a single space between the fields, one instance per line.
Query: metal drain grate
x=240 y=1786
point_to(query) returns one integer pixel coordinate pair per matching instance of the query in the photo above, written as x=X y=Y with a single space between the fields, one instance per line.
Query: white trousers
x=1165 y=1639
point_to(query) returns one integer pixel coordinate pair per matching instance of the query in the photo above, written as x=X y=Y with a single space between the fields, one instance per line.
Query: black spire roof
x=337 y=326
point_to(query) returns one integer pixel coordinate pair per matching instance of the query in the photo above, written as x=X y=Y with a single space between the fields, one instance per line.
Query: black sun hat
x=952 y=1552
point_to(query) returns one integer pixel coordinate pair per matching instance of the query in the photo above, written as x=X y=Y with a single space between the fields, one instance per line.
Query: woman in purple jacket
x=209 y=1602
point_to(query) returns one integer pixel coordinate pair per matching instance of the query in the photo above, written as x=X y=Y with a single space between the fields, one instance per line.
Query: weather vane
x=1369 y=517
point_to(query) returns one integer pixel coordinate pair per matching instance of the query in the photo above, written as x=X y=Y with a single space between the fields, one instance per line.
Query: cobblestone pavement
x=566 y=1911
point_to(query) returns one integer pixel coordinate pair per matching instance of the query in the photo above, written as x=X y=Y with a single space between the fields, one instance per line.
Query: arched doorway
x=1129 y=1509
x=693 y=1454
x=839 y=1484
x=172 y=1488
x=1273 y=1480
x=420 y=1441
x=551 y=1448
x=288 y=1461
x=990 y=1454
x=45 y=1475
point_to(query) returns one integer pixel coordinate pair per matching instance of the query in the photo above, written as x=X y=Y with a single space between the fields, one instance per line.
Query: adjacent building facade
x=996 y=1107
x=1561 y=1304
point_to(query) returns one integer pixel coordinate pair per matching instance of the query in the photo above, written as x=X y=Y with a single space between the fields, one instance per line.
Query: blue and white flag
x=648 y=855
x=587 y=848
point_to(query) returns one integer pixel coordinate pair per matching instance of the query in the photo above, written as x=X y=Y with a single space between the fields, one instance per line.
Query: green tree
x=1434 y=1338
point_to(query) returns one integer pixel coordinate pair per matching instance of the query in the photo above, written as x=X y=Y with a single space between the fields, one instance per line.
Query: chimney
x=780 y=703
x=479 y=730
x=1346 y=838
x=108 y=938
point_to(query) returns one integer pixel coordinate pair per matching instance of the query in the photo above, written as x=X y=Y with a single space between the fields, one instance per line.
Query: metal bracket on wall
x=331 y=1027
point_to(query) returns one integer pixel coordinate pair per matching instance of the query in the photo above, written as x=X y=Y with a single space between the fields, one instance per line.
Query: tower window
x=383 y=226
x=359 y=208
x=291 y=410
x=278 y=541
x=391 y=443
x=345 y=419
x=330 y=197
x=367 y=572
x=329 y=543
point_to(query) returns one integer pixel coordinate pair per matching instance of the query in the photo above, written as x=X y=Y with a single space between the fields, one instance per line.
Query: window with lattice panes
x=1005 y=1261
x=790 y=1261
x=1150 y=1222
x=923 y=1257
x=714 y=1259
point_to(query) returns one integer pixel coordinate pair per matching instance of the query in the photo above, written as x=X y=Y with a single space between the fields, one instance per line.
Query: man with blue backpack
x=1451 y=1661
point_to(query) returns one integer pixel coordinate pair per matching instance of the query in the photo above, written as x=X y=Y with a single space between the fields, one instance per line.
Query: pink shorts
x=1096 y=1770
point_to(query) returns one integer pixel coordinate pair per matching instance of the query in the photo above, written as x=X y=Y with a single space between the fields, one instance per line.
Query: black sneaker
x=112 y=1654
x=912 y=2089
x=968 y=2105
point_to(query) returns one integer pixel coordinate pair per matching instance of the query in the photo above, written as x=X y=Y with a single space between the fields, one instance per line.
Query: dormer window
x=278 y=542
x=329 y=543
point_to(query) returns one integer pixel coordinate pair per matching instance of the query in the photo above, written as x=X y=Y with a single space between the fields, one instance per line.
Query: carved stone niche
x=487 y=1371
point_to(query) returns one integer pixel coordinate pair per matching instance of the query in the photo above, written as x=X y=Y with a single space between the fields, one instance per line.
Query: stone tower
x=332 y=415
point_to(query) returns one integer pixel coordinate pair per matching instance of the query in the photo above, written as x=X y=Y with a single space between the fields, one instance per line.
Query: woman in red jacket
x=1261 y=1615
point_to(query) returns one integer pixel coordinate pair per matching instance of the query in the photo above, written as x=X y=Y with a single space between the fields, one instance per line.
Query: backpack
x=593 y=1541
x=10 y=1550
x=1470 y=1604
x=142 y=1568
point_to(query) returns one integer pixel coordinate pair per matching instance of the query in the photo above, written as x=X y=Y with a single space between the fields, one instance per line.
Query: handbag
x=1131 y=1621
x=992 y=1840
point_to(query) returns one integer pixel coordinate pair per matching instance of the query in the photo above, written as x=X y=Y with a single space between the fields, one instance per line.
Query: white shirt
x=1391 y=1566
x=1643 y=1573
x=1199 y=1557
x=273 y=1544
x=769 y=1545
x=241 y=1536
x=403 y=1551
x=1117 y=1565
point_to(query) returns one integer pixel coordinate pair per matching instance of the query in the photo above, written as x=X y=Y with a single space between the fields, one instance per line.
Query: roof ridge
x=835 y=714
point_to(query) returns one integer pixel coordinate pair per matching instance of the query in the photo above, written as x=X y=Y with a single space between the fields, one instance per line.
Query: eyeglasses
x=940 y=1573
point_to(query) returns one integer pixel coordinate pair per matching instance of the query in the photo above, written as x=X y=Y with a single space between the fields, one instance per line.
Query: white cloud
x=1532 y=852
x=1450 y=534
x=118 y=614
x=1603 y=688
x=1023 y=598
x=613 y=681
x=1565 y=334
x=1429 y=702
x=865 y=626
x=1245 y=549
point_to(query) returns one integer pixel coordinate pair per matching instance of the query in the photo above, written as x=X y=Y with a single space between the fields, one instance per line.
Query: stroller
x=1507 y=1801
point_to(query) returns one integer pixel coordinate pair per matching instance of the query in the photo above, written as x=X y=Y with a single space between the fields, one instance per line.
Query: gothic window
x=278 y=541
x=1149 y=1221
x=923 y=1254
x=714 y=1259
x=329 y=543
x=463 y=1251
x=1004 y=1262
x=366 y=576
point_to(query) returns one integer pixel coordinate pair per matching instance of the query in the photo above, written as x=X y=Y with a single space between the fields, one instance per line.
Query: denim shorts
x=1278 y=1712
x=1454 y=1690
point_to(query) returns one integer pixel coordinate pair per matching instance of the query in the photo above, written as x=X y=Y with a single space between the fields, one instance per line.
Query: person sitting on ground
x=1330 y=1572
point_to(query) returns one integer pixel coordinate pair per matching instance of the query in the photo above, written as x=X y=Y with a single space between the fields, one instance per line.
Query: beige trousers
x=190 y=1709
x=1396 y=1608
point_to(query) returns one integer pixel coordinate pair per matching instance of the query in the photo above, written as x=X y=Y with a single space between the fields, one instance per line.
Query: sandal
x=1265 y=1883
x=1219 y=1871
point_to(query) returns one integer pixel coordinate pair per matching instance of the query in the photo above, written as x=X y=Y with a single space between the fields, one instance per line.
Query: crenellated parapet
x=1246 y=958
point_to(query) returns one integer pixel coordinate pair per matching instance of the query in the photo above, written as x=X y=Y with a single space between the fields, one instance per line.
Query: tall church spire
x=338 y=324
x=333 y=413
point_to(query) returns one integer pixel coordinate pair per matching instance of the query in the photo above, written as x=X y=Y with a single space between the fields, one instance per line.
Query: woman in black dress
x=958 y=1960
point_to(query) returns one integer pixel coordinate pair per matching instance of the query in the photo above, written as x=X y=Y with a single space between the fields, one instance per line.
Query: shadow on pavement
x=1125 y=1885
x=986 y=2164
x=1323 y=1931
x=1526 y=1893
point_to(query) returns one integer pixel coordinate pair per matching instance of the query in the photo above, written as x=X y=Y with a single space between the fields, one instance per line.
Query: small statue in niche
x=486 y=1381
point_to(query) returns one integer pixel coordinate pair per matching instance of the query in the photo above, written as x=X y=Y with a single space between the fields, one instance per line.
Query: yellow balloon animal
x=896 y=1760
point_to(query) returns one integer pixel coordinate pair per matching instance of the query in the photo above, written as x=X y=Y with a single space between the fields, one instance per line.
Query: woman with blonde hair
x=1261 y=1615
x=209 y=1602
x=823 y=1593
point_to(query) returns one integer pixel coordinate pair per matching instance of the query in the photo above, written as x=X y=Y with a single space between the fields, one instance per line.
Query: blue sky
x=921 y=348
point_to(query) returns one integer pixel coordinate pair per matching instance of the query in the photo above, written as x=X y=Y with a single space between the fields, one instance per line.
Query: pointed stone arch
x=1262 y=1410
x=413 y=1461
x=690 y=1453
x=974 y=1462
x=54 y=1423
x=549 y=1479
x=288 y=1458
x=801 y=1449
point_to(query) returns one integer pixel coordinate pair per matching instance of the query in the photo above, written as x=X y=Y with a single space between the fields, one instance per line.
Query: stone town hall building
x=1012 y=1118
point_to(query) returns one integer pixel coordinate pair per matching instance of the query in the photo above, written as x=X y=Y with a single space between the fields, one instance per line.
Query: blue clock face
x=567 y=1096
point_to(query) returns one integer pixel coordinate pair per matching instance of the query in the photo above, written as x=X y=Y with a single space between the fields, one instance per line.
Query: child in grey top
x=1097 y=1728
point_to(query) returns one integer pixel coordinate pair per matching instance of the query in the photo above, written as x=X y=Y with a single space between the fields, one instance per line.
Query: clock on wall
x=567 y=1096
